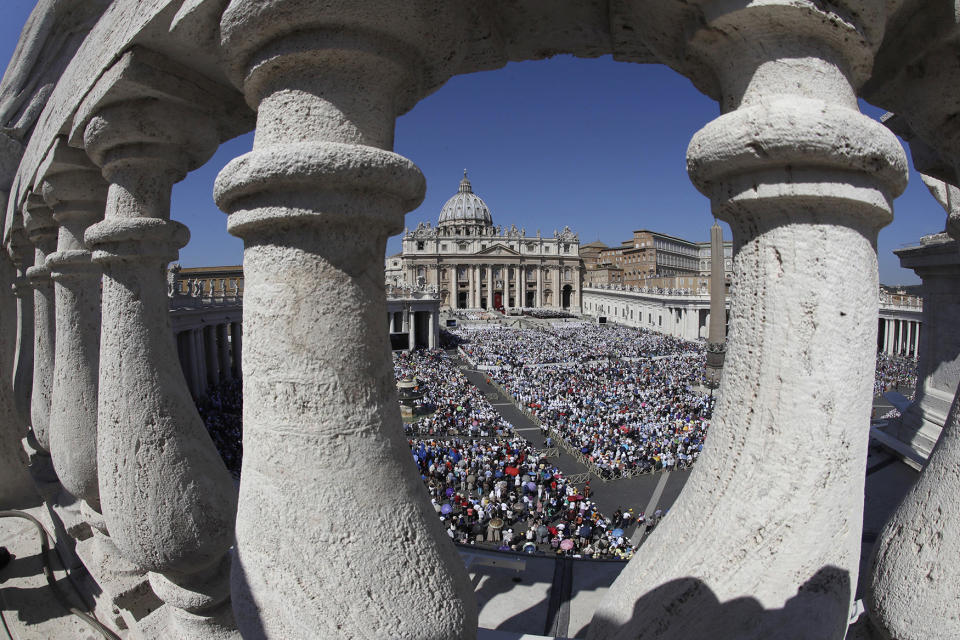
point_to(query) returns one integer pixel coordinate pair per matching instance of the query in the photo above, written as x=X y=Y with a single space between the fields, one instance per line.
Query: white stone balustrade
x=762 y=543
x=167 y=498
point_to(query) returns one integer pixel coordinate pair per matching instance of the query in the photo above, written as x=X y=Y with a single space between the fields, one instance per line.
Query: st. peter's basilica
x=476 y=265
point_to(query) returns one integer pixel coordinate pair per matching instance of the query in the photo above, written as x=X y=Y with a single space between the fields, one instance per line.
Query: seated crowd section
x=628 y=400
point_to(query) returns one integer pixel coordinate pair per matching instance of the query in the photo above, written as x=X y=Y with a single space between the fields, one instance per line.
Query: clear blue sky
x=593 y=144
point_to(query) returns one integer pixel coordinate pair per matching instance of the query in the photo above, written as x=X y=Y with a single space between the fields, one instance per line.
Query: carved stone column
x=167 y=498
x=42 y=232
x=77 y=193
x=764 y=541
x=912 y=588
x=315 y=202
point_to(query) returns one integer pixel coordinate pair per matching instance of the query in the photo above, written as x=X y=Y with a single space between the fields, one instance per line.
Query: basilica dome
x=465 y=207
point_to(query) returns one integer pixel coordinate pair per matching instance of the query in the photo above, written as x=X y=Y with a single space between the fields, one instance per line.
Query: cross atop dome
x=465 y=186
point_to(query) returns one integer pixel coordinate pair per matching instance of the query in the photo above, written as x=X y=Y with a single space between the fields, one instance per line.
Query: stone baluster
x=17 y=488
x=315 y=202
x=764 y=541
x=42 y=232
x=77 y=193
x=912 y=588
x=21 y=252
x=167 y=498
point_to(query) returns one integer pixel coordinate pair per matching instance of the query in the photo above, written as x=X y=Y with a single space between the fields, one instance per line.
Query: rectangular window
x=420 y=245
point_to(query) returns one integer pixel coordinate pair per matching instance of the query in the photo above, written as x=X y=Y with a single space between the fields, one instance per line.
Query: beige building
x=476 y=265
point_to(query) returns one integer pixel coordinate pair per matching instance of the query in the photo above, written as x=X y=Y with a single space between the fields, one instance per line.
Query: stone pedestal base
x=41 y=469
x=922 y=422
x=170 y=622
x=126 y=592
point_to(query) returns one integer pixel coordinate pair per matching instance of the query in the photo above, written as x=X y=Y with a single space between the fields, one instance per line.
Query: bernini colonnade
x=107 y=105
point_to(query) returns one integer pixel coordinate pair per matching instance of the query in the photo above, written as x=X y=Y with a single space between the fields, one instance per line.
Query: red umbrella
x=511 y=471
x=575 y=497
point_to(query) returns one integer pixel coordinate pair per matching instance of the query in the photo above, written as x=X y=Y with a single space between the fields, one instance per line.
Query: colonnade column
x=210 y=355
x=236 y=346
x=42 y=232
x=77 y=193
x=412 y=331
x=223 y=353
x=315 y=201
x=805 y=182
x=167 y=497
x=916 y=340
x=199 y=361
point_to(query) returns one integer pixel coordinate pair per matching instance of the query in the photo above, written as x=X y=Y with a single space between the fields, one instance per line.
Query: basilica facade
x=473 y=264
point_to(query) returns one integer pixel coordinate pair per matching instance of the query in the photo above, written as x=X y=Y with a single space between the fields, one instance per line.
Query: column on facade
x=168 y=500
x=518 y=300
x=42 y=232
x=432 y=329
x=22 y=254
x=236 y=348
x=490 y=287
x=470 y=285
x=76 y=192
x=506 y=288
x=557 y=287
x=522 y=275
x=327 y=99
x=805 y=182
x=478 y=294
x=539 y=297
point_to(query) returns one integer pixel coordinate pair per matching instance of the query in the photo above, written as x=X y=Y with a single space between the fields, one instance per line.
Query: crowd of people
x=625 y=399
x=222 y=414
x=450 y=404
x=506 y=347
x=503 y=493
x=894 y=373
